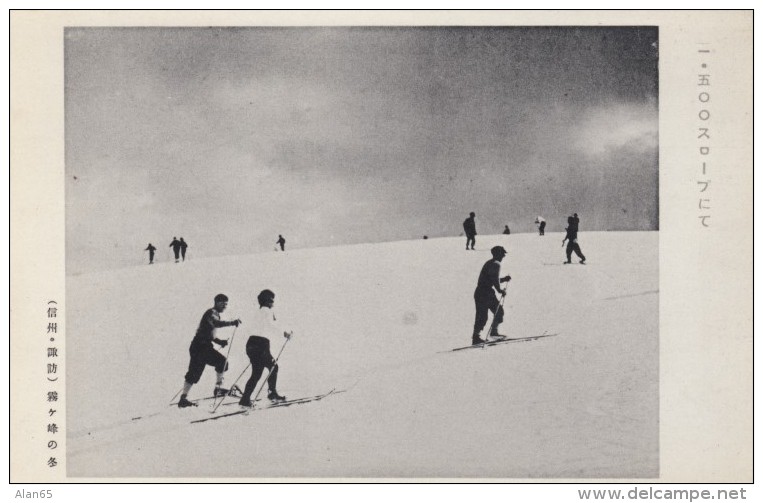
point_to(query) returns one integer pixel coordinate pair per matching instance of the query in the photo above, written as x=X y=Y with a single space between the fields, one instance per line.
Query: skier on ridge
x=484 y=298
x=541 y=225
x=572 y=239
x=258 y=349
x=183 y=247
x=151 y=249
x=176 y=245
x=470 y=229
x=203 y=353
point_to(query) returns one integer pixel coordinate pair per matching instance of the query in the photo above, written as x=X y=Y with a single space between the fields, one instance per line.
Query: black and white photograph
x=398 y=251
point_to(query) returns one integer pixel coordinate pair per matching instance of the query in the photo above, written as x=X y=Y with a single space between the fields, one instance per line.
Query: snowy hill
x=377 y=322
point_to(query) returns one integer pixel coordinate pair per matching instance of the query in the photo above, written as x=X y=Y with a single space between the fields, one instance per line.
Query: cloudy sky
x=231 y=136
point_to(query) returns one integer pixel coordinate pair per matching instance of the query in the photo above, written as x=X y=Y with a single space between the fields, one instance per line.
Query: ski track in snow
x=377 y=321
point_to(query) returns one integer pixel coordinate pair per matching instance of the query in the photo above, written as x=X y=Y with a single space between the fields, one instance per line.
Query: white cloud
x=621 y=126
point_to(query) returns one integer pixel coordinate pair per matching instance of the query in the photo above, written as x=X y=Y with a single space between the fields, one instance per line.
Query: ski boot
x=275 y=397
x=184 y=402
x=219 y=391
x=496 y=336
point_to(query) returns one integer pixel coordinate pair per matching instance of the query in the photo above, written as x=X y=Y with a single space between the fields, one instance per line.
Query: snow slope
x=377 y=321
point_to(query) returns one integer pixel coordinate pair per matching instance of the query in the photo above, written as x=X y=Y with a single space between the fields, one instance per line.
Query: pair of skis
x=504 y=341
x=233 y=392
x=257 y=407
x=272 y=405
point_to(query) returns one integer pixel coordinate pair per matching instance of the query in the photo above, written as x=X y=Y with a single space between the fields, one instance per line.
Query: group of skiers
x=489 y=279
x=571 y=237
x=203 y=353
x=178 y=248
x=266 y=329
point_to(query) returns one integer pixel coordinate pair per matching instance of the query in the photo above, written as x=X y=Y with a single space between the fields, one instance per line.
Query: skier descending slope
x=203 y=353
x=484 y=298
x=176 y=246
x=258 y=349
x=151 y=249
x=183 y=248
x=572 y=239
x=470 y=229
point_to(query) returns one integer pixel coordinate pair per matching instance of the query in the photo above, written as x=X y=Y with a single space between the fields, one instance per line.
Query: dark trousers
x=150 y=257
x=572 y=246
x=176 y=251
x=470 y=239
x=203 y=354
x=182 y=253
x=484 y=302
x=258 y=351
x=542 y=228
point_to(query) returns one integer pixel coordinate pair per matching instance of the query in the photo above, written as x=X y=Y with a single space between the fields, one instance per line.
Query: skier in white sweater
x=265 y=329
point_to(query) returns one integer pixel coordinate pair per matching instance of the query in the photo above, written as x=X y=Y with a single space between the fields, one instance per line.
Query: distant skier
x=506 y=230
x=572 y=239
x=281 y=242
x=541 y=223
x=484 y=298
x=258 y=349
x=151 y=249
x=183 y=246
x=470 y=229
x=203 y=353
x=175 y=244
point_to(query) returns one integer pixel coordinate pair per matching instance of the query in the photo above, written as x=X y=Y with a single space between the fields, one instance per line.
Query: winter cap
x=221 y=297
x=472 y=214
x=498 y=250
x=265 y=296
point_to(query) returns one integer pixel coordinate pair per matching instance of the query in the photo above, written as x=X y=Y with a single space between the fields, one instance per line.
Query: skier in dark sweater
x=470 y=229
x=484 y=298
x=506 y=230
x=175 y=244
x=281 y=242
x=151 y=249
x=183 y=246
x=572 y=239
x=203 y=353
x=258 y=349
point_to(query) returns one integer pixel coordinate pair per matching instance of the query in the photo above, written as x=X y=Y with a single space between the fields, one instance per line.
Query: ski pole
x=230 y=345
x=176 y=395
x=232 y=385
x=500 y=306
x=225 y=365
x=270 y=370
